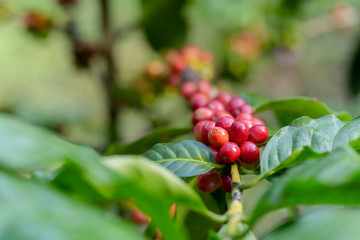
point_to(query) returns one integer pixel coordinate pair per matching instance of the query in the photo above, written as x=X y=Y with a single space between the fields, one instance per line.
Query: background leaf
x=34 y=211
x=185 y=158
x=254 y=99
x=287 y=110
x=140 y=146
x=333 y=179
x=163 y=23
x=330 y=224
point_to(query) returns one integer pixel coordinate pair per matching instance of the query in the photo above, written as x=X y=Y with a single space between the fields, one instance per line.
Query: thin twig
x=111 y=74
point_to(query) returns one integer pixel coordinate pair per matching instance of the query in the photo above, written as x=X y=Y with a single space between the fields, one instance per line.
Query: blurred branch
x=111 y=74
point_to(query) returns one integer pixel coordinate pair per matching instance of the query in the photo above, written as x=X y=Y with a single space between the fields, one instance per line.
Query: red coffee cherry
x=258 y=121
x=205 y=131
x=188 y=89
x=235 y=102
x=235 y=112
x=179 y=63
x=218 y=136
x=229 y=152
x=258 y=134
x=225 y=122
x=174 y=79
x=215 y=152
x=202 y=113
x=139 y=217
x=247 y=109
x=225 y=182
x=197 y=130
x=249 y=152
x=223 y=97
x=204 y=87
x=244 y=116
x=215 y=105
x=198 y=100
x=220 y=114
x=208 y=182
x=238 y=132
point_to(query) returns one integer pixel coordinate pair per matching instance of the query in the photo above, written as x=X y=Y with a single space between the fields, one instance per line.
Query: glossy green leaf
x=348 y=133
x=34 y=211
x=289 y=109
x=153 y=185
x=185 y=158
x=254 y=99
x=163 y=23
x=333 y=179
x=29 y=148
x=140 y=146
x=317 y=134
x=329 y=224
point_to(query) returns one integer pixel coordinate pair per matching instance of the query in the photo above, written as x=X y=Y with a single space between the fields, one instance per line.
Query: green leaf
x=329 y=224
x=254 y=99
x=152 y=185
x=289 y=109
x=140 y=146
x=185 y=158
x=34 y=211
x=348 y=133
x=333 y=179
x=316 y=134
x=26 y=148
x=163 y=23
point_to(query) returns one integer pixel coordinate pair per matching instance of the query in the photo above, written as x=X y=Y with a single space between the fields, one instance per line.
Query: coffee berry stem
x=236 y=208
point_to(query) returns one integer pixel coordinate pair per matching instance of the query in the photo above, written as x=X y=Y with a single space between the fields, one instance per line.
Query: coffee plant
x=160 y=187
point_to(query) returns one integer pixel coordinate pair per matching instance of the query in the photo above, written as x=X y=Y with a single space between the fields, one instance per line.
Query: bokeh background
x=290 y=48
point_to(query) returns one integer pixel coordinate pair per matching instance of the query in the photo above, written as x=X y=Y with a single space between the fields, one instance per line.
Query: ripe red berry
x=208 y=182
x=247 y=109
x=258 y=121
x=205 y=131
x=220 y=114
x=249 y=152
x=229 y=152
x=244 y=116
x=258 y=134
x=225 y=182
x=223 y=97
x=197 y=130
x=202 y=113
x=204 y=87
x=188 y=89
x=225 y=122
x=235 y=112
x=139 y=217
x=215 y=105
x=198 y=100
x=215 y=152
x=238 y=132
x=235 y=102
x=179 y=63
x=218 y=136
x=174 y=79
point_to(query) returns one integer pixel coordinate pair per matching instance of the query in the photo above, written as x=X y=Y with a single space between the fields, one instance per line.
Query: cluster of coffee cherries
x=227 y=126
x=189 y=64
